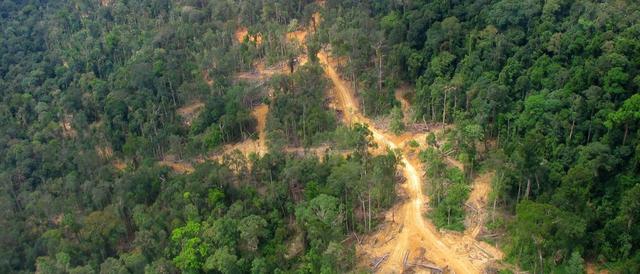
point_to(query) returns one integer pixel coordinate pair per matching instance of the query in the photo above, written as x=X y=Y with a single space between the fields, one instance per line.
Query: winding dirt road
x=406 y=230
x=413 y=226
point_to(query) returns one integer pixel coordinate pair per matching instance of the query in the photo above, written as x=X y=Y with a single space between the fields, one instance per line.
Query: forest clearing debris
x=455 y=163
x=405 y=260
x=420 y=262
x=357 y=238
x=489 y=255
x=375 y=264
x=476 y=203
x=417 y=127
x=434 y=269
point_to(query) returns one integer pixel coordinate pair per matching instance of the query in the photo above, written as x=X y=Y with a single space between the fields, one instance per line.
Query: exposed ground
x=242 y=33
x=298 y=36
x=593 y=269
x=250 y=146
x=190 y=111
x=260 y=112
x=477 y=205
x=119 y=165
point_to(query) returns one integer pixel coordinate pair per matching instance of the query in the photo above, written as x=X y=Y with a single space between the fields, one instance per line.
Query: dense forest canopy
x=552 y=84
x=95 y=95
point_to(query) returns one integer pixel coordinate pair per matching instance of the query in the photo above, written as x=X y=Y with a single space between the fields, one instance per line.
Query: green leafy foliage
x=396 y=125
x=548 y=88
x=297 y=114
x=448 y=188
x=549 y=85
x=93 y=94
x=542 y=229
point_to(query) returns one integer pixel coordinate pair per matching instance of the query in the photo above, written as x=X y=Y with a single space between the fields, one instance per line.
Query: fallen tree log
x=405 y=259
x=471 y=207
x=430 y=267
x=388 y=240
x=483 y=251
x=357 y=238
x=378 y=262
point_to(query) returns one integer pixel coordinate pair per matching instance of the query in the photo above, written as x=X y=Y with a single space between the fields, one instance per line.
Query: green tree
x=222 y=260
x=251 y=229
x=542 y=229
x=396 y=124
x=628 y=115
x=322 y=217
x=192 y=250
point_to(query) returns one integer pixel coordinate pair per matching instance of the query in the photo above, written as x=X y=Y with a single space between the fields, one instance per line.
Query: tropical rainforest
x=131 y=141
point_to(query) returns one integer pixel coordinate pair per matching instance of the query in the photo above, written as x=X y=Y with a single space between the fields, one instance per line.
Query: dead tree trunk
x=444 y=107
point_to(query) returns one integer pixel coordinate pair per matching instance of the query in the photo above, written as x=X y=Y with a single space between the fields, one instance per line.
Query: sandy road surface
x=415 y=233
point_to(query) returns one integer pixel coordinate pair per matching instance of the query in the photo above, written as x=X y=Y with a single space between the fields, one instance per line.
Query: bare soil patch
x=190 y=111
x=243 y=32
